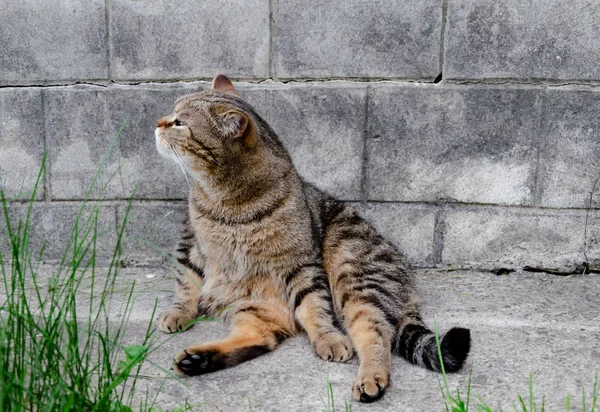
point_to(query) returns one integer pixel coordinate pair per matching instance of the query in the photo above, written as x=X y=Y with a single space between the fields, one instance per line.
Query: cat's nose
x=165 y=121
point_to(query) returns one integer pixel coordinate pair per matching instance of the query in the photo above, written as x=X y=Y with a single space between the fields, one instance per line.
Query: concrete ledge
x=522 y=323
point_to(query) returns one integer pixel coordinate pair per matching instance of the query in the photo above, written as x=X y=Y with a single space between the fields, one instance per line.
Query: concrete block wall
x=467 y=131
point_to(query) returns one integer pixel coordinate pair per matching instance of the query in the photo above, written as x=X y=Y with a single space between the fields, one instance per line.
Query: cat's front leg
x=308 y=290
x=257 y=328
x=185 y=306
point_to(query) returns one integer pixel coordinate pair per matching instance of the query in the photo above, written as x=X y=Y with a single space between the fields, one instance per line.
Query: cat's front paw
x=193 y=362
x=334 y=346
x=174 y=320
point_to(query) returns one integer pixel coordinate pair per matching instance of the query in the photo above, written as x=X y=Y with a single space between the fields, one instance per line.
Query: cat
x=278 y=256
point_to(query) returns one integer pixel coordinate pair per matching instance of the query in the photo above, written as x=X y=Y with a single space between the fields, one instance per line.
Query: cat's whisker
x=186 y=170
x=179 y=161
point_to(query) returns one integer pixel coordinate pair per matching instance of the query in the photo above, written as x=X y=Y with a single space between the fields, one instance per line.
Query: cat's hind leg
x=371 y=336
x=309 y=292
x=257 y=328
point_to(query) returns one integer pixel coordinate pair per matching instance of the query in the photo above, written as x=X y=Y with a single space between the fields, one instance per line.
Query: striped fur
x=277 y=256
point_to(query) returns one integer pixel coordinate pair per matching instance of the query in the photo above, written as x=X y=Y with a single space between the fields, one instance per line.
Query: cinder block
x=358 y=38
x=409 y=227
x=79 y=136
x=182 y=40
x=570 y=149
x=473 y=144
x=142 y=168
x=52 y=41
x=322 y=126
x=52 y=226
x=554 y=40
x=152 y=231
x=491 y=237
x=21 y=141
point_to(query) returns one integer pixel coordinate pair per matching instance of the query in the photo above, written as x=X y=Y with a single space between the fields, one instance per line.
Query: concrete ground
x=521 y=323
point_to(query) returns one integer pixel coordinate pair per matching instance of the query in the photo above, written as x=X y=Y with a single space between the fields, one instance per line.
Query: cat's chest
x=236 y=252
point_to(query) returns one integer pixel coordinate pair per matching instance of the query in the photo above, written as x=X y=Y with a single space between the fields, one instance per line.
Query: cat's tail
x=416 y=344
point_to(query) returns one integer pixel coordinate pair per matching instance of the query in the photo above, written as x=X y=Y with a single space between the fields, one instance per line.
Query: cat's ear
x=222 y=84
x=237 y=125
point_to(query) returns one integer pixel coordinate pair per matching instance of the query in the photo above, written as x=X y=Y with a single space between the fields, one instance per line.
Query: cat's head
x=217 y=138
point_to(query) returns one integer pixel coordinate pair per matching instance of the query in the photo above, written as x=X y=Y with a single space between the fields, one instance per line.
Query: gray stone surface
x=549 y=40
x=410 y=227
x=322 y=126
x=183 y=40
x=142 y=168
x=21 y=141
x=570 y=150
x=522 y=323
x=52 y=225
x=52 y=42
x=79 y=137
x=494 y=237
x=473 y=144
x=357 y=38
x=152 y=231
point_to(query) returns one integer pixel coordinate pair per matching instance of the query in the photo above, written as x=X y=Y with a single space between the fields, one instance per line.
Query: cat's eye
x=178 y=123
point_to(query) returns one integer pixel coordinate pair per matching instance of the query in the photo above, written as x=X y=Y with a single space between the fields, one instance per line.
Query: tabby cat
x=278 y=256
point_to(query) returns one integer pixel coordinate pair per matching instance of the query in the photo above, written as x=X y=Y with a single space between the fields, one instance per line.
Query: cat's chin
x=159 y=146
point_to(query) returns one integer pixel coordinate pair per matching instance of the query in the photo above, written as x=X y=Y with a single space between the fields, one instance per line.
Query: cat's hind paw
x=369 y=386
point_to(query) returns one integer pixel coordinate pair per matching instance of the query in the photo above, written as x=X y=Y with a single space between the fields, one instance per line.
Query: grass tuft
x=59 y=352
x=330 y=403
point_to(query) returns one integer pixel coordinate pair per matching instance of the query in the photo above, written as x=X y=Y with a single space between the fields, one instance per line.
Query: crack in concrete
x=443 y=39
x=581 y=269
x=585 y=228
x=553 y=83
x=364 y=184
x=47 y=167
x=439 y=79
x=439 y=228
x=271 y=63
x=110 y=46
